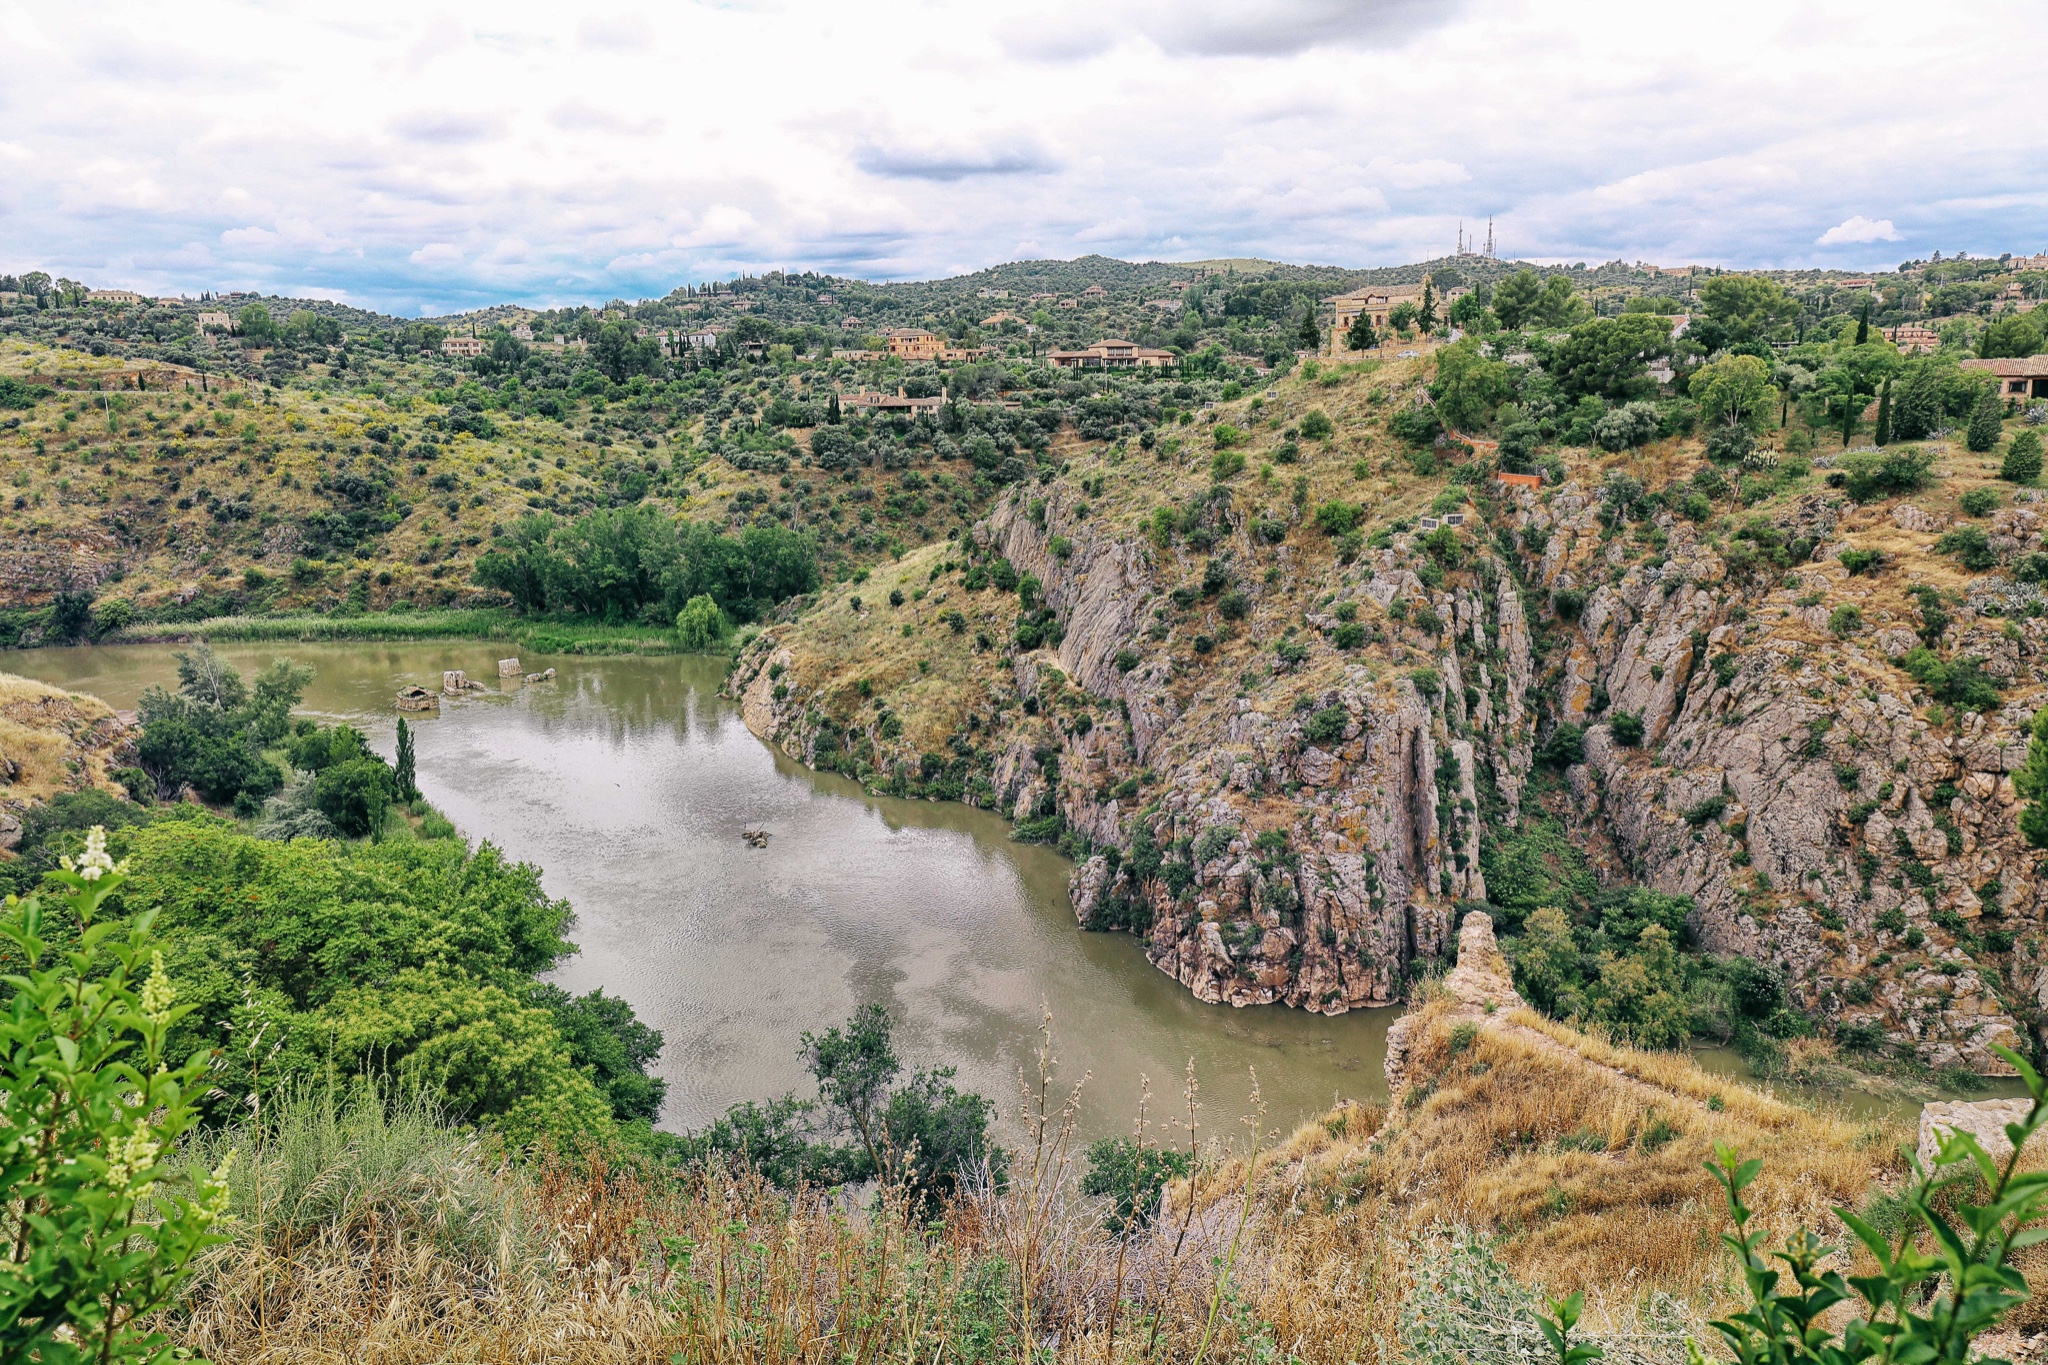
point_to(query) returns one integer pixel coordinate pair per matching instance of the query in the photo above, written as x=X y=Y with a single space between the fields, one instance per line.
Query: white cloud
x=1858 y=229
x=432 y=155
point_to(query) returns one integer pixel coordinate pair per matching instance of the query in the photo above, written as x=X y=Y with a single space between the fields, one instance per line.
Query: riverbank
x=544 y=635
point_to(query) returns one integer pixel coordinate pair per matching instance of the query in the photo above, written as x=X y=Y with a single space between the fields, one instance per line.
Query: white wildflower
x=95 y=862
x=157 y=992
x=130 y=1157
x=213 y=1204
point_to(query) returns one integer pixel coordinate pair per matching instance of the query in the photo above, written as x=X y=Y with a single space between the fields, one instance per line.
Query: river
x=628 y=781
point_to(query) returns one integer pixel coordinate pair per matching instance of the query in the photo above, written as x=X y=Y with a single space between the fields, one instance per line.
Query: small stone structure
x=1985 y=1119
x=545 y=675
x=418 y=699
x=509 y=668
x=455 y=682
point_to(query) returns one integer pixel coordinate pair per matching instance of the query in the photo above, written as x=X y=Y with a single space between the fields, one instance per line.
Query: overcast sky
x=424 y=158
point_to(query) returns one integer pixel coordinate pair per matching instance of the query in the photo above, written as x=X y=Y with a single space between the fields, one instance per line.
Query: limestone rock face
x=1984 y=1120
x=1480 y=986
x=1302 y=830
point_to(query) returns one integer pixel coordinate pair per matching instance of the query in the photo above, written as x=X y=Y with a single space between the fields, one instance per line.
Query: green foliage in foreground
x=542 y=635
x=418 y=959
x=99 y=1226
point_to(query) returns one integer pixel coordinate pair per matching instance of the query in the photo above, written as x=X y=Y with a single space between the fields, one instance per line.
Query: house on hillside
x=913 y=343
x=849 y=324
x=1912 y=338
x=1111 y=354
x=467 y=348
x=1376 y=301
x=2026 y=377
x=1094 y=291
x=112 y=296
x=212 y=321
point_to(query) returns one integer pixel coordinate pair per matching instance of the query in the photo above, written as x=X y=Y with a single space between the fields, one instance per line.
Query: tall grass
x=372 y=1229
x=544 y=635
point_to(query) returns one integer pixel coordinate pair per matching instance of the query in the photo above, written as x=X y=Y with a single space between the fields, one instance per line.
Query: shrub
x=354 y=795
x=1316 y=426
x=1971 y=547
x=1860 y=562
x=1979 y=502
x=1568 y=603
x=1845 y=620
x=1336 y=518
x=1326 y=725
x=1901 y=469
x=107 y=1228
x=1627 y=426
x=1700 y=812
x=1131 y=1178
x=1565 y=747
x=1225 y=464
x=1986 y=421
x=1628 y=728
x=1957 y=682
x=2022 y=462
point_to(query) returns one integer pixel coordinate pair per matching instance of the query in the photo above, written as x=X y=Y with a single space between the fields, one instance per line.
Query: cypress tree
x=1311 y=337
x=1863 y=324
x=408 y=783
x=1884 y=415
x=832 y=410
x=1987 y=421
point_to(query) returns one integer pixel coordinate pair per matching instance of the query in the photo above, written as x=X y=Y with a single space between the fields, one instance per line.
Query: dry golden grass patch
x=57 y=741
x=1587 y=1159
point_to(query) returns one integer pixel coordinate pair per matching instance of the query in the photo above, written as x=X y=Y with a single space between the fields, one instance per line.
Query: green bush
x=2022 y=462
x=1131 y=1177
x=101 y=1225
x=1901 y=469
x=1860 y=562
x=1627 y=728
x=1316 y=425
x=1326 y=726
x=1971 y=547
x=1336 y=518
x=1979 y=502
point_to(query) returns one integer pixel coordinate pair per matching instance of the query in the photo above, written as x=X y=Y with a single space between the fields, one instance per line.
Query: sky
x=422 y=158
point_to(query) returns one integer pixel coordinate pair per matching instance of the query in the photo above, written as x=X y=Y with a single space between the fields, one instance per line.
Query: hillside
x=1719 y=709
x=1286 y=756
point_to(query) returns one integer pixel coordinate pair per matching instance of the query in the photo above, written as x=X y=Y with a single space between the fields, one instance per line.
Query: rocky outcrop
x=1479 y=987
x=1985 y=1120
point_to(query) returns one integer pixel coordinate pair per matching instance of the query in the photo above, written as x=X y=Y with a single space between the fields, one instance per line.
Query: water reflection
x=629 y=781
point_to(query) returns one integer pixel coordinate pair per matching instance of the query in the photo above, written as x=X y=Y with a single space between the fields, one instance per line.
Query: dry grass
x=55 y=741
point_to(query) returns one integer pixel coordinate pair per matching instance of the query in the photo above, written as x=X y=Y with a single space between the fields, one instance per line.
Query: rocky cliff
x=1277 y=751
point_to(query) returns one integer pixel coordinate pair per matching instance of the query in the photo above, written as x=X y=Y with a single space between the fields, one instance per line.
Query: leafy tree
x=1468 y=386
x=1640 y=996
x=621 y=355
x=1546 y=958
x=1734 y=390
x=1747 y=305
x=1558 y=305
x=605 y=1038
x=1308 y=336
x=1316 y=425
x=1361 y=336
x=405 y=777
x=100 y=1225
x=71 y=616
x=1609 y=357
x=2012 y=336
x=2031 y=782
x=700 y=624
x=1987 y=421
x=354 y=795
x=255 y=322
x=407 y=958
x=1514 y=300
x=2022 y=462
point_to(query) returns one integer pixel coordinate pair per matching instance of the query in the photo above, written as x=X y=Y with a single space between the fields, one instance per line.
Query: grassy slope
x=112 y=484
